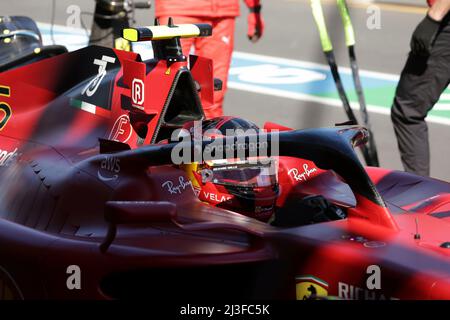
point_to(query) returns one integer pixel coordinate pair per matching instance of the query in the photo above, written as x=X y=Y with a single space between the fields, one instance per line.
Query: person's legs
x=218 y=47
x=421 y=83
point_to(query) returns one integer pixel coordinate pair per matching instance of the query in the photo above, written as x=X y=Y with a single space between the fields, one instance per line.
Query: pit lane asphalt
x=291 y=33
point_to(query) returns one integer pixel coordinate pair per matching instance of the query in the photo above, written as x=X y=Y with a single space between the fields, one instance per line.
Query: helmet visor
x=244 y=174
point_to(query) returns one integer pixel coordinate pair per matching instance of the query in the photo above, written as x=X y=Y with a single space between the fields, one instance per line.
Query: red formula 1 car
x=92 y=206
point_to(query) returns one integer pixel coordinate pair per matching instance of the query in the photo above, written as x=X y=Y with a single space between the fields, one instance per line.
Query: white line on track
x=307 y=64
x=306 y=97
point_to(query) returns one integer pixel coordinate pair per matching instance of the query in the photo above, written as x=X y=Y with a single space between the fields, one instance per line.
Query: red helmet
x=249 y=187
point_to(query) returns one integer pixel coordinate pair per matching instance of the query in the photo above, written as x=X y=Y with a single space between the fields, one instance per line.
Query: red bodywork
x=64 y=194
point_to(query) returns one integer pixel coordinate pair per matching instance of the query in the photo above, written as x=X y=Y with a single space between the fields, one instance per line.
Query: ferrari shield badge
x=310 y=287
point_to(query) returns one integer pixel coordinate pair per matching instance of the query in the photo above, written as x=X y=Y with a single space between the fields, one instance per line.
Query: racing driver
x=251 y=186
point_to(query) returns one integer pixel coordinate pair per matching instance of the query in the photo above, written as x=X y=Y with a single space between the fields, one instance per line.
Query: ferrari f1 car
x=93 y=207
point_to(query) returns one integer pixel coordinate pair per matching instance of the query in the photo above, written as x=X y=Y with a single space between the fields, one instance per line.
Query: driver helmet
x=249 y=186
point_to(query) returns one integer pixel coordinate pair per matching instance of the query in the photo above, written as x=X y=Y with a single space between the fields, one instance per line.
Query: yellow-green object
x=122 y=44
x=347 y=22
x=321 y=25
x=166 y=32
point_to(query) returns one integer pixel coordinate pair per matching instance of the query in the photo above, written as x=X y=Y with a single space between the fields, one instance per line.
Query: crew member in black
x=423 y=79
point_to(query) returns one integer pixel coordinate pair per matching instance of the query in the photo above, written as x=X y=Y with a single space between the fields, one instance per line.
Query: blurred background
x=284 y=77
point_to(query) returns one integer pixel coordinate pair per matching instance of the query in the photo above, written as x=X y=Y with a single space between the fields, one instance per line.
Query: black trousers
x=421 y=83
